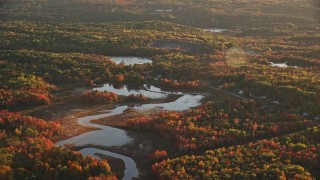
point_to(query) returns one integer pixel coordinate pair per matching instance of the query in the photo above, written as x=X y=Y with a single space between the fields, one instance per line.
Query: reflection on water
x=109 y=136
x=147 y=90
x=106 y=136
x=181 y=104
x=130 y=60
x=216 y=30
x=281 y=65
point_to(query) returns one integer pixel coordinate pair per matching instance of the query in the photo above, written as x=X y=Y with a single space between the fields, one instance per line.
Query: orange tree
x=217 y=124
x=295 y=156
x=27 y=152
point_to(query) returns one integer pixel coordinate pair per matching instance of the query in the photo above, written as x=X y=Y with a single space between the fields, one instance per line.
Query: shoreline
x=150 y=142
x=71 y=129
x=143 y=144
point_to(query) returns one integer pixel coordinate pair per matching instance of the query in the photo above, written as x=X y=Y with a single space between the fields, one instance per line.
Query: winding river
x=109 y=136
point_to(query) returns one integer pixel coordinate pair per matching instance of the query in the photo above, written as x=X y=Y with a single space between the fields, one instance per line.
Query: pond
x=147 y=90
x=281 y=65
x=130 y=60
x=216 y=30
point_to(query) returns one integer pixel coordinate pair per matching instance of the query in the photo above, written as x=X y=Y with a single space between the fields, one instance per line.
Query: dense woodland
x=294 y=156
x=27 y=151
x=205 y=13
x=271 y=133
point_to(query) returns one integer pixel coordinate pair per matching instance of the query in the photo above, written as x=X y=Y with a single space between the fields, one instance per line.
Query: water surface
x=216 y=30
x=147 y=90
x=131 y=167
x=130 y=60
x=109 y=136
x=281 y=65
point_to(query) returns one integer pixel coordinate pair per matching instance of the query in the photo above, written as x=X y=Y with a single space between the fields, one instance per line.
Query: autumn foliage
x=217 y=124
x=280 y=158
x=137 y=97
x=27 y=152
x=25 y=90
x=99 y=97
x=158 y=155
x=177 y=84
x=119 y=78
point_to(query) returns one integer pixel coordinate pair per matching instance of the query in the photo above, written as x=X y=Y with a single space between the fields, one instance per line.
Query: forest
x=248 y=72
